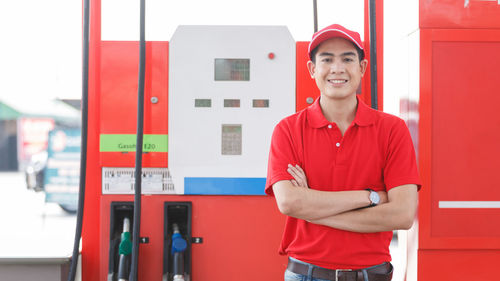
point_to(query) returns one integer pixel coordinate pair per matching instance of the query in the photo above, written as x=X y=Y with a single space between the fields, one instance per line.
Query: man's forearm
x=398 y=213
x=310 y=204
x=366 y=220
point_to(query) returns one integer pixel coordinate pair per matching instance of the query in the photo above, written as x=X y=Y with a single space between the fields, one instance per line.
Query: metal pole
x=373 y=55
x=315 y=10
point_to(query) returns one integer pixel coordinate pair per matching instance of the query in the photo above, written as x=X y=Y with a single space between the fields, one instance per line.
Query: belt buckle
x=337 y=273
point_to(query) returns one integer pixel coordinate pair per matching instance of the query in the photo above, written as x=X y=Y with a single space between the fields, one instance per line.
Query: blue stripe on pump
x=224 y=186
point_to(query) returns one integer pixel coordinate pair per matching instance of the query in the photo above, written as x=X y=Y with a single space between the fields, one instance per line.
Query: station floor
x=36 y=238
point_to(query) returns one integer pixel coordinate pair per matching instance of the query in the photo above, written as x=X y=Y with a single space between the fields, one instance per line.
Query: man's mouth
x=337 y=81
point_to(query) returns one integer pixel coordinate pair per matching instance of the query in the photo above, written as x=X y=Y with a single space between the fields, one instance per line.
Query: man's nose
x=337 y=67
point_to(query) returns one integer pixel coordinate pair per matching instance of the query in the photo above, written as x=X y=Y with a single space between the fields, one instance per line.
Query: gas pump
x=212 y=96
x=214 y=177
x=214 y=203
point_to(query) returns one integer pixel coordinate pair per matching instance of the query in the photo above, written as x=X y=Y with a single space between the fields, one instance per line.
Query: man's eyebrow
x=348 y=54
x=324 y=54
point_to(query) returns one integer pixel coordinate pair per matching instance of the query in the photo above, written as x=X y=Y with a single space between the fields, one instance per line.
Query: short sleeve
x=401 y=164
x=281 y=153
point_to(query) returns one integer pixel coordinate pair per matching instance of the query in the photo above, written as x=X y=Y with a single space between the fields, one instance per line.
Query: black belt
x=382 y=272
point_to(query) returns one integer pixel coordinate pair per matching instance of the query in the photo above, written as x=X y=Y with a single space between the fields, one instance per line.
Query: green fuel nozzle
x=125 y=249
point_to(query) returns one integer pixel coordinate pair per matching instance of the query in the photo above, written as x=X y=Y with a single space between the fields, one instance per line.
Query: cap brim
x=331 y=33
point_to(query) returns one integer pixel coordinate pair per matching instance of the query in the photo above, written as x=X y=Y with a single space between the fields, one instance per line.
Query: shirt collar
x=364 y=115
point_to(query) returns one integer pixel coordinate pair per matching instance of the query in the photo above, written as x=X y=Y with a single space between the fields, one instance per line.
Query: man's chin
x=339 y=96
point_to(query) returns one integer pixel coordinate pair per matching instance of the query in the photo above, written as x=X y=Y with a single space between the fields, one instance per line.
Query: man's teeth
x=338 y=81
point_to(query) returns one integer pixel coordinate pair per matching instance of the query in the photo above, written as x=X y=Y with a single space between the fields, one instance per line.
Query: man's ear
x=311 y=67
x=363 y=65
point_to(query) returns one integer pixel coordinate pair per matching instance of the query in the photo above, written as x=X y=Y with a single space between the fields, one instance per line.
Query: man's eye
x=326 y=60
x=348 y=59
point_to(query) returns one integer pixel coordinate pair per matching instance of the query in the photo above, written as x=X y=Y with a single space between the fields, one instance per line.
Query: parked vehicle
x=56 y=170
x=35 y=170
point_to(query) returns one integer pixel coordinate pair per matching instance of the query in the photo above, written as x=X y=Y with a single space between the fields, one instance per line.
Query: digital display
x=202 y=103
x=232 y=69
x=260 y=103
x=231 y=103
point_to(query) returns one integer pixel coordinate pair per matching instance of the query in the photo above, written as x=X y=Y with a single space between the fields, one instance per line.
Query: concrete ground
x=34 y=234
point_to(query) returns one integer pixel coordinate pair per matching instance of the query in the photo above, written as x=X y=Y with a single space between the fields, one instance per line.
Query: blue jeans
x=291 y=276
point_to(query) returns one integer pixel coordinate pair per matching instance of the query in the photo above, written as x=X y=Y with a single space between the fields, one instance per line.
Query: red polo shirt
x=375 y=152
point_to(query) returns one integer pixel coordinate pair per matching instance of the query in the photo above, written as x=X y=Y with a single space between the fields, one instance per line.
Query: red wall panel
x=458 y=153
x=466 y=154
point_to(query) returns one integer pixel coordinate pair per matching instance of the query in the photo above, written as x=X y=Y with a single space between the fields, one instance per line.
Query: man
x=343 y=173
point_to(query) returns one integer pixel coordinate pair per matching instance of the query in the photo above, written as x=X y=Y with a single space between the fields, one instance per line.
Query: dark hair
x=361 y=54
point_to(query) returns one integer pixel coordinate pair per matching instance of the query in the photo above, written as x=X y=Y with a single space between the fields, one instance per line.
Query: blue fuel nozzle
x=178 y=243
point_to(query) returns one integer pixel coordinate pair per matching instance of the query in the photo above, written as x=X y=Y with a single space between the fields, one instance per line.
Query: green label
x=127 y=143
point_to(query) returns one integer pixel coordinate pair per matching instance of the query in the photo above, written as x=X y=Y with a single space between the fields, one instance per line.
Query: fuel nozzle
x=179 y=245
x=125 y=249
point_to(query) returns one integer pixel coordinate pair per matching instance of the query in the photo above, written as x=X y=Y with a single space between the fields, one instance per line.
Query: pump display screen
x=232 y=69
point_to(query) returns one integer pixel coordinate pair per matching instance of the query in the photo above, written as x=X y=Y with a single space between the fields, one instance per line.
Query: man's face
x=337 y=69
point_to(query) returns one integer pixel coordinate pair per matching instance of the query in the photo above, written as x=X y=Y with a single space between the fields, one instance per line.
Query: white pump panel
x=228 y=87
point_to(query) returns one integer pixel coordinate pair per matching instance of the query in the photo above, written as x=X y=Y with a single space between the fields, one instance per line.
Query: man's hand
x=300 y=179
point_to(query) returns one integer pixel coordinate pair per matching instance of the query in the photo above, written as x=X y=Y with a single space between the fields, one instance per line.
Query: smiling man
x=344 y=174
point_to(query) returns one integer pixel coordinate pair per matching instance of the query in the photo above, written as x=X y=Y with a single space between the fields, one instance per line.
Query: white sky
x=40 y=54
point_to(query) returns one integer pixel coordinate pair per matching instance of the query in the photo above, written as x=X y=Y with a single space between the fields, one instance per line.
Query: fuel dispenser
x=212 y=96
x=203 y=213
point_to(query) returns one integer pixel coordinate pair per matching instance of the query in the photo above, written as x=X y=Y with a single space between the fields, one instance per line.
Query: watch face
x=374 y=197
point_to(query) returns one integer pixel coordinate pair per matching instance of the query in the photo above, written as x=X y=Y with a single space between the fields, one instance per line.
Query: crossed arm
x=345 y=209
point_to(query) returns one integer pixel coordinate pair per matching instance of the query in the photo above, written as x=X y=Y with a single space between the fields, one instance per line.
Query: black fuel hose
x=138 y=147
x=84 y=132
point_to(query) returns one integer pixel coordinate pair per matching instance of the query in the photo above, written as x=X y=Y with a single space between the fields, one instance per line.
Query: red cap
x=334 y=30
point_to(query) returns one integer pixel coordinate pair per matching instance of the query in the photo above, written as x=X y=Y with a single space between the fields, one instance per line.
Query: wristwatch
x=374 y=198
